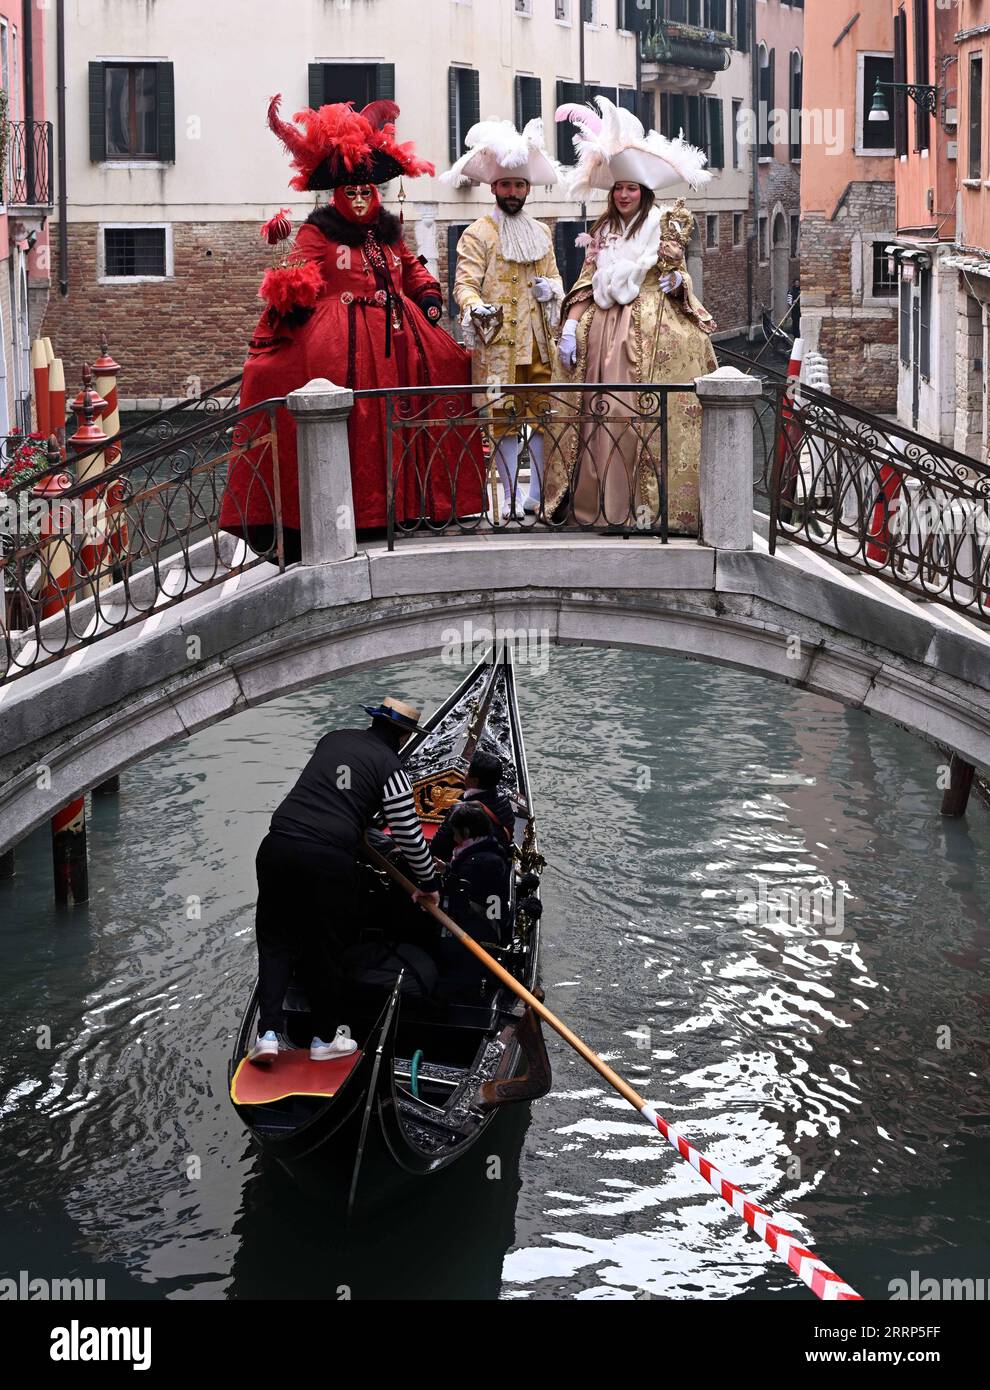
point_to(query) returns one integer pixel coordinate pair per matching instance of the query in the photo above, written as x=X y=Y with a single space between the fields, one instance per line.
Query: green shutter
x=453 y=143
x=567 y=93
x=529 y=100
x=473 y=112
x=317 y=90
x=97 y=111
x=716 y=137
x=628 y=99
x=166 y=113
x=518 y=85
x=385 y=82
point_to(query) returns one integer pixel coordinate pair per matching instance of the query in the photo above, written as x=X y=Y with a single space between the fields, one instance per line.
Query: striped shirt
x=401 y=818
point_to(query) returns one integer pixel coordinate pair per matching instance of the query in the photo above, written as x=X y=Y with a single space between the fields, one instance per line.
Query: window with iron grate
x=131 y=251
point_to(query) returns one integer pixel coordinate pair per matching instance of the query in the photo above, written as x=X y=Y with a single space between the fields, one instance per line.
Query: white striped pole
x=812 y=1271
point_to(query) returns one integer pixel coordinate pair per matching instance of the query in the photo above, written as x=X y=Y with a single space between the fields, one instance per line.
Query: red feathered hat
x=339 y=145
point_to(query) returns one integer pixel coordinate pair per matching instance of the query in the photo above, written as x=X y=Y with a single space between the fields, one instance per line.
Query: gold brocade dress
x=612 y=464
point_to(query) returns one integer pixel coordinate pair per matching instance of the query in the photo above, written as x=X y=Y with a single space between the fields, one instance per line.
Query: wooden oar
x=819 y=1278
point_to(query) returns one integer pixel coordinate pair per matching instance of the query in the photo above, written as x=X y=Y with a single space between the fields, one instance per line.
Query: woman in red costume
x=354 y=305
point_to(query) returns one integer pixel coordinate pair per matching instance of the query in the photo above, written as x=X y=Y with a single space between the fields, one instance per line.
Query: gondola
x=440 y=1054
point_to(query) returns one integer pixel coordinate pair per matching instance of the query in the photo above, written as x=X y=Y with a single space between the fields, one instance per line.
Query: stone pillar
x=326 y=501
x=727 y=397
x=956 y=797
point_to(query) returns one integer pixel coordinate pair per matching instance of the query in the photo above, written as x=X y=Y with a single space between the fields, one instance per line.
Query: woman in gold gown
x=632 y=319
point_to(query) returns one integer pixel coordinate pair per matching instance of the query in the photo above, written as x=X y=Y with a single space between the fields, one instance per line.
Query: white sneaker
x=265 y=1049
x=343 y=1045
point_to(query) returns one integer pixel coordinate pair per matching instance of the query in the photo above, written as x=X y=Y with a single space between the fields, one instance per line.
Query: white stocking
x=535 y=466
x=507 y=463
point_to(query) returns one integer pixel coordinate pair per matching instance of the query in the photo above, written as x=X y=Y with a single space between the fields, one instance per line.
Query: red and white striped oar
x=807 y=1266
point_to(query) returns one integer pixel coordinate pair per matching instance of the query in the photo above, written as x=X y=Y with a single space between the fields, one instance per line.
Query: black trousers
x=305 y=916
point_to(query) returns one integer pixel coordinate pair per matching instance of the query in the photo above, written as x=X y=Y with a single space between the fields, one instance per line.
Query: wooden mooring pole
x=956 y=797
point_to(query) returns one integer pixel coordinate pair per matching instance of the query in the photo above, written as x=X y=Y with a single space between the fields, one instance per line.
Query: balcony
x=682 y=57
x=28 y=181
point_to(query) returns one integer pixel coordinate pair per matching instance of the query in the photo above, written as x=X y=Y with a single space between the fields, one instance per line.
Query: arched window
x=797 y=94
x=765 y=61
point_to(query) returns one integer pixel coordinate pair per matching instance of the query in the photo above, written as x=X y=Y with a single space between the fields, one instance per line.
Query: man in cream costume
x=506 y=268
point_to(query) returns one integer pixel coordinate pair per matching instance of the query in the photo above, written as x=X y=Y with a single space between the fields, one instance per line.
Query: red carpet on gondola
x=291 y=1074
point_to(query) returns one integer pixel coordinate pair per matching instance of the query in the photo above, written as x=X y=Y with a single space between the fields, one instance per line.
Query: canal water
x=753 y=911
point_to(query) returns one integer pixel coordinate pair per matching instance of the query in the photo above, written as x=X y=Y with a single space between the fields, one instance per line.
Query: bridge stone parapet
x=201 y=662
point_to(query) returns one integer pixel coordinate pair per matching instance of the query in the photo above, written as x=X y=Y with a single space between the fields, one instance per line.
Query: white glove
x=542 y=290
x=568 y=345
x=483 y=311
x=671 y=282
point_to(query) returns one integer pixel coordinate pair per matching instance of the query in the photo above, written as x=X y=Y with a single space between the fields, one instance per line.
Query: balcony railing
x=683 y=45
x=29 y=175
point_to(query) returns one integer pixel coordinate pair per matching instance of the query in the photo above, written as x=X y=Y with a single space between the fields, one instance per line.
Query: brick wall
x=163 y=332
x=725 y=275
x=859 y=340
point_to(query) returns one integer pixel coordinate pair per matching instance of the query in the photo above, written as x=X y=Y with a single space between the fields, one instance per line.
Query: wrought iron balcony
x=28 y=177
x=671 y=45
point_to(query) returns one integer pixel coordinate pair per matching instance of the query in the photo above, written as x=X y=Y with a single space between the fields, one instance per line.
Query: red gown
x=438 y=470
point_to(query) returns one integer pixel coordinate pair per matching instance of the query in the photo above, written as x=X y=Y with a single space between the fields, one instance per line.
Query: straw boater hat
x=612 y=147
x=396 y=712
x=497 y=150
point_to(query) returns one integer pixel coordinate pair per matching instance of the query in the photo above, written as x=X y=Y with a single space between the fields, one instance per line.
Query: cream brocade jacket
x=484 y=277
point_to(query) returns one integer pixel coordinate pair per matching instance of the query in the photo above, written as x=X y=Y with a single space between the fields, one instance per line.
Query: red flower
x=292 y=287
x=277 y=228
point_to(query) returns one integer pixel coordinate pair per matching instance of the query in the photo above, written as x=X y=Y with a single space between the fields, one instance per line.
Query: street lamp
x=921 y=93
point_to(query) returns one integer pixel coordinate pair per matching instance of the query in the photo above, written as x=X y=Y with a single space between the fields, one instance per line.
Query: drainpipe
x=29 y=163
x=63 y=230
x=584 y=88
x=754 y=240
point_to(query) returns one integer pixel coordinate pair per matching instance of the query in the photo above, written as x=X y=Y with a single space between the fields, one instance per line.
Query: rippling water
x=837 y=1072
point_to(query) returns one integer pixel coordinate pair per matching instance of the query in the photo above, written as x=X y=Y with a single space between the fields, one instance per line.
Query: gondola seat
x=373 y=967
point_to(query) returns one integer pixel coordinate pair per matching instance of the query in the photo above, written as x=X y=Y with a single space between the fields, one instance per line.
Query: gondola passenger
x=481 y=787
x=307 y=869
x=476 y=893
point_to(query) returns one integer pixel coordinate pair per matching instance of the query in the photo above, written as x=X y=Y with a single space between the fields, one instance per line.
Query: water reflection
x=839 y=1077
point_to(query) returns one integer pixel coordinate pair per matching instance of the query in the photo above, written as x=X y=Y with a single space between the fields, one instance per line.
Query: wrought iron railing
x=29 y=181
x=465 y=463
x=98 y=554
x=881 y=499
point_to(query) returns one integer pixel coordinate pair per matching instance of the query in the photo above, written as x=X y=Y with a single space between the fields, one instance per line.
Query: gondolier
x=306 y=869
x=508 y=287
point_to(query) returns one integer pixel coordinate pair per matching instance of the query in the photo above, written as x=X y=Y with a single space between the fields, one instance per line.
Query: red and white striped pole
x=106 y=372
x=56 y=400
x=87 y=442
x=39 y=375
x=791 y=433
x=69 y=859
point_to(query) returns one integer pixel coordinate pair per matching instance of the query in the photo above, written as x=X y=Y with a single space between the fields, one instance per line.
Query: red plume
x=379 y=113
x=289 y=135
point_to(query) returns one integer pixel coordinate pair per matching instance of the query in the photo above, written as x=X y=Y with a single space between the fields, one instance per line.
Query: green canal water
x=753 y=911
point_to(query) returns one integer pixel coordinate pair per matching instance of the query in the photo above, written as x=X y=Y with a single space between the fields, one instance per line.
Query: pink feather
x=580 y=115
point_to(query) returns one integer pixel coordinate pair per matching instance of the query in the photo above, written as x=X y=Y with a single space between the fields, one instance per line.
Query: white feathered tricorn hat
x=497 y=150
x=612 y=147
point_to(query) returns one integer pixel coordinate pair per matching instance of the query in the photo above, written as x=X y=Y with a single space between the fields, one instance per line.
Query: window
x=568 y=93
x=525 y=7
x=635 y=18
x=764 y=238
x=562 y=11
x=737 y=107
x=711 y=231
x=361 y=83
x=589 y=11
x=742 y=25
x=570 y=257
x=708 y=14
x=738 y=229
x=135 y=253
x=873 y=137
x=975 y=165
x=884 y=282
x=767 y=63
x=925 y=324
x=797 y=92
x=529 y=100
x=905 y=329
x=921 y=74
x=714 y=144
x=464 y=107
x=795 y=235
x=131 y=111
x=700 y=118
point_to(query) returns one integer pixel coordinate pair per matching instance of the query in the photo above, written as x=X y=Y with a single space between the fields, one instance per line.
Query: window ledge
x=134 y=279
x=972 y=183
x=132 y=164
